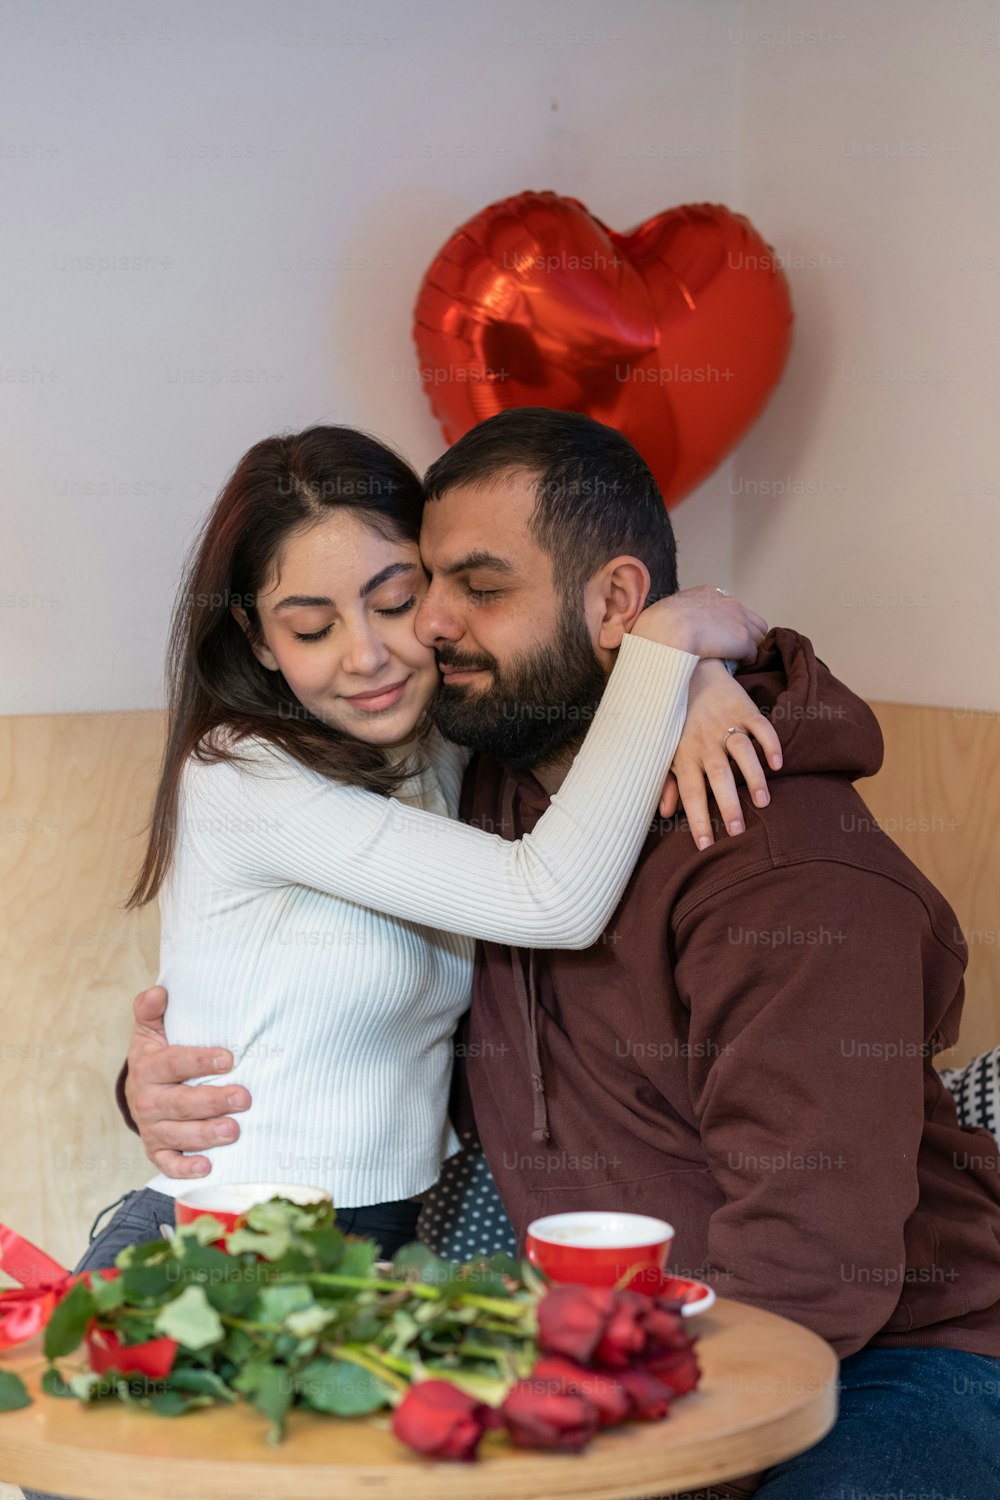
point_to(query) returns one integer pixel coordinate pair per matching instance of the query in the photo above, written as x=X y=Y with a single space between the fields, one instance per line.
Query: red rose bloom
x=624 y=1336
x=154 y=1358
x=664 y=1327
x=572 y=1319
x=602 y=1390
x=677 y=1368
x=549 y=1414
x=669 y=1349
x=649 y=1397
x=436 y=1418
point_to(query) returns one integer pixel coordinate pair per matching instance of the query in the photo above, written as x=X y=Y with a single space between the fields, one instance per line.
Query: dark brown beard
x=537 y=708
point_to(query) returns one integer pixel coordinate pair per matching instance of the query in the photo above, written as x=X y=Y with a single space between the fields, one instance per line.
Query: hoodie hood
x=823 y=727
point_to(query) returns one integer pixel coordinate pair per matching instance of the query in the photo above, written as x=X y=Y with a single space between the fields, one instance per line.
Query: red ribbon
x=44 y=1282
x=25 y=1262
x=25 y=1310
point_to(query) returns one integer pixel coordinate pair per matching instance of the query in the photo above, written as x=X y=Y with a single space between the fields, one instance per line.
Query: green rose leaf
x=418 y=1263
x=54 y=1385
x=230 y=1285
x=293 y=1263
x=204 y=1230
x=89 y=1386
x=282 y=1213
x=363 y=1327
x=200 y=1382
x=276 y=1302
x=270 y=1246
x=506 y=1265
x=309 y=1321
x=238 y=1347
x=107 y=1294
x=173 y=1403
x=326 y=1245
x=192 y=1258
x=359 y=1258
x=269 y=1389
x=13 y=1392
x=434 y=1312
x=139 y=1329
x=65 y=1329
x=190 y=1319
x=140 y=1255
x=150 y=1283
x=485 y=1283
x=342 y=1388
x=404 y=1330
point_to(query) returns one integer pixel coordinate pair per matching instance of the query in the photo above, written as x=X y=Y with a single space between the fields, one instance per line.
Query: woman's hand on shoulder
x=704 y=621
x=705 y=756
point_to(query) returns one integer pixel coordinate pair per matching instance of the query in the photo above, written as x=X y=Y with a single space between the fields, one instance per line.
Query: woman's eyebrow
x=300 y=601
x=390 y=572
x=309 y=601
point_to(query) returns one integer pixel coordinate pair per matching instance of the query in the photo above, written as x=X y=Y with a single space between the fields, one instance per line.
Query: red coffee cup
x=231 y=1203
x=595 y=1248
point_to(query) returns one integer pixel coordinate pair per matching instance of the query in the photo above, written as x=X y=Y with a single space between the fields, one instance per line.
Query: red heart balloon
x=676 y=333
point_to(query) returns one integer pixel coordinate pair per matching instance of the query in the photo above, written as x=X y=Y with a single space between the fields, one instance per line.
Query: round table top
x=768 y=1391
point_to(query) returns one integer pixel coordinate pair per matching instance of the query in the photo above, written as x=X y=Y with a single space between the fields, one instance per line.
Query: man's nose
x=433 y=621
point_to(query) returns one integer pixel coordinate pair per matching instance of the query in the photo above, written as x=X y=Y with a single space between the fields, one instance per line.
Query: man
x=747 y=1051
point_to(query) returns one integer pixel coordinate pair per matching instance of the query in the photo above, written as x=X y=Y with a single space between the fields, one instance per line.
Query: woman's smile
x=376 y=700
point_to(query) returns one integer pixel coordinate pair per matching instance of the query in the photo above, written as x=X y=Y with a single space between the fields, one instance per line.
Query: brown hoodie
x=746 y=1052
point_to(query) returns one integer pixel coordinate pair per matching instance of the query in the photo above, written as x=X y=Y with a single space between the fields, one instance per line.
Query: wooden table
x=769 y=1390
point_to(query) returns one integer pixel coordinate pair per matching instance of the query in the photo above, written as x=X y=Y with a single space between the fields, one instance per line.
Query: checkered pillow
x=977 y=1091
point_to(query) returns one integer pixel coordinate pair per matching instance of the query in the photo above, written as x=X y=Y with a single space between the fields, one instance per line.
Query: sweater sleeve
x=555 y=887
x=805 y=986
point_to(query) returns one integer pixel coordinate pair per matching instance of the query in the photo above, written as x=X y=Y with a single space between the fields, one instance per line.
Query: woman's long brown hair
x=282 y=485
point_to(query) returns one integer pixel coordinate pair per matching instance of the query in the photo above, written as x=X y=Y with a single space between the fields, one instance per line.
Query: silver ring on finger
x=724 y=592
x=733 y=729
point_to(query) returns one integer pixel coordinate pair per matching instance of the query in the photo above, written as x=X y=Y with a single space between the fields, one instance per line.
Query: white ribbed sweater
x=325 y=934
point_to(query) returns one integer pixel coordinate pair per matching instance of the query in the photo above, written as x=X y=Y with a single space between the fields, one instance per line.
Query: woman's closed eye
x=318 y=635
x=399 y=609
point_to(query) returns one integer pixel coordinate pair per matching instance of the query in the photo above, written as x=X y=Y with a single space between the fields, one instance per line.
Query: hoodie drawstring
x=527 y=999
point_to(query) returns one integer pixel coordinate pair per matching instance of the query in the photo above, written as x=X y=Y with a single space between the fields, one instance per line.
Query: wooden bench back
x=75 y=791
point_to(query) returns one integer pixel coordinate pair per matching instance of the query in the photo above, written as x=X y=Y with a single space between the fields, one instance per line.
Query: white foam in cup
x=601 y=1231
x=240 y=1196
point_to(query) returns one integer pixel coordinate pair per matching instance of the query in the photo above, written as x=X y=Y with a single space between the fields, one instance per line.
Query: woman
x=319 y=901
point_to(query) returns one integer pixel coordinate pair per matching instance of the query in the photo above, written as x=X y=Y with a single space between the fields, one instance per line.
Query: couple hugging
x=417 y=748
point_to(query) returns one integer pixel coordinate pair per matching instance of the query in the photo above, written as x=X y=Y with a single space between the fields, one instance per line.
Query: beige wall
x=218 y=231
x=262 y=276
x=871 y=158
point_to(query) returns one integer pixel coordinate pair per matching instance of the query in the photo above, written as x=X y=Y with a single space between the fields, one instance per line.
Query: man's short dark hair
x=596 y=497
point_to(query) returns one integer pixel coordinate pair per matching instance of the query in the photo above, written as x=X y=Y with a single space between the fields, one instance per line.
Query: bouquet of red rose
x=289 y=1312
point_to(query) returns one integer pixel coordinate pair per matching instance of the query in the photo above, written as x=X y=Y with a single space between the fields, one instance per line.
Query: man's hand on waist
x=172 y=1115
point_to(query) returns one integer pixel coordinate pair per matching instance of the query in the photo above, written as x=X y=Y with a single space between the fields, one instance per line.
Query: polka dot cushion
x=463 y=1216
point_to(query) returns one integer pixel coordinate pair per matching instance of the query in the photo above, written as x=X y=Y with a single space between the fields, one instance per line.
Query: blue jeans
x=915 y=1424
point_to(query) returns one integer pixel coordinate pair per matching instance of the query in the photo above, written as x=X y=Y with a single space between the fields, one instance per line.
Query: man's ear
x=614 y=599
x=257 y=644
